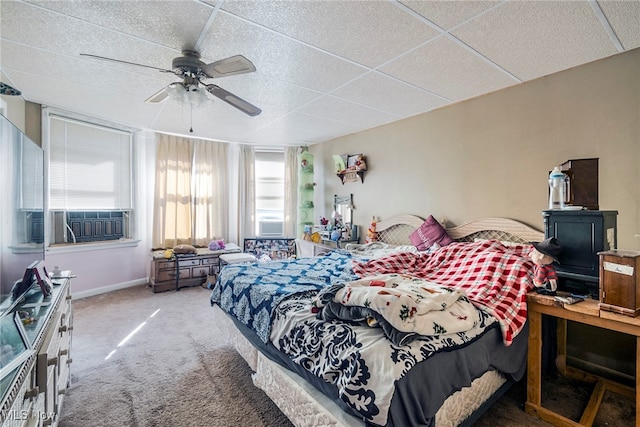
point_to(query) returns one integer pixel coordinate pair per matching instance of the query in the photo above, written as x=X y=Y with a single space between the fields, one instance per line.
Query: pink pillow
x=430 y=232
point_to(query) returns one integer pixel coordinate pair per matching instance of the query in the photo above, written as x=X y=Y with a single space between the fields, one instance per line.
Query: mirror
x=21 y=207
x=343 y=205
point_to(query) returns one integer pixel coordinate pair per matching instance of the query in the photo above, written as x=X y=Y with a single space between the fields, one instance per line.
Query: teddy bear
x=371 y=231
x=543 y=255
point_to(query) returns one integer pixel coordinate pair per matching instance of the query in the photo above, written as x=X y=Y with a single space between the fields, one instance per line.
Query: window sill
x=92 y=246
x=27 y=248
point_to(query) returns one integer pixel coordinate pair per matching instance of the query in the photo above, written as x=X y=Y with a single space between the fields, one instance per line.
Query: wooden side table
x=586 y=312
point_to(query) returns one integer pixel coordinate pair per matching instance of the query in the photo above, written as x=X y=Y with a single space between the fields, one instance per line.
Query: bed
x=327 y=358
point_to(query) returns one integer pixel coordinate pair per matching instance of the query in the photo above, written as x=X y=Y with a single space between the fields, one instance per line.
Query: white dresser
x=33 y=393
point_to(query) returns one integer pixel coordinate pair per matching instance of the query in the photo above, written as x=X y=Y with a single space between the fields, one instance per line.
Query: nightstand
x=308 y=249
x=586 y=312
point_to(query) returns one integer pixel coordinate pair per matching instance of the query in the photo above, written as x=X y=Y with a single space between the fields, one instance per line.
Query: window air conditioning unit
x=270 y=228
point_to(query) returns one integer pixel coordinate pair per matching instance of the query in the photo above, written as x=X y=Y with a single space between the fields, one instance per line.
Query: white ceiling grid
x=325 y=68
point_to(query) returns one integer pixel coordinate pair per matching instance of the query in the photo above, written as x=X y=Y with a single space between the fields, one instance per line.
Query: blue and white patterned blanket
x=251 y=292
x=359 y=361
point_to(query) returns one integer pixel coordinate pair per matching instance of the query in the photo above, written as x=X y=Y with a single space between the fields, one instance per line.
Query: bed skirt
x=306 y=406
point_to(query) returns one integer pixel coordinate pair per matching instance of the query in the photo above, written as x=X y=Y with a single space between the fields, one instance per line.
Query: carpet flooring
x=148 y=360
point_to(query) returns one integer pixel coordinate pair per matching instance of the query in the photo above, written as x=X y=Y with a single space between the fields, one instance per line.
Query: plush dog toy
x=543 y=255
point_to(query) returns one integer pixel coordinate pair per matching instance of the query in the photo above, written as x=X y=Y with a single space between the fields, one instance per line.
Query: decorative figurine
x=543 y=255
x=371 y=231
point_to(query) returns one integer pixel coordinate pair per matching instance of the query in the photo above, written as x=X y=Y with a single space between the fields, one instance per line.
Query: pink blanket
x=495 y=277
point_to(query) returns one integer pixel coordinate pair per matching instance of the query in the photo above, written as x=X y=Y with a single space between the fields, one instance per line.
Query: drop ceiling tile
x=259 y=89
x=448 y=14
x=75 y=97
x=37 y=62
x=624 y=18
x=216 y=120
x=338 y=109
x=536 y=38
x=384 y=93
x=382 y=30
x=70 y=36
x=277 y=56
x=448 y=70
x=302 y=121
x=176 y=24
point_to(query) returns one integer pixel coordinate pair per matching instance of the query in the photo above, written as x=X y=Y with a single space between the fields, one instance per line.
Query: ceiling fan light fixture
x=191 y=95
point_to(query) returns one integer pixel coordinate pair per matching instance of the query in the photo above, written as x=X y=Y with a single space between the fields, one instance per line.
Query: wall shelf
x=351 y=176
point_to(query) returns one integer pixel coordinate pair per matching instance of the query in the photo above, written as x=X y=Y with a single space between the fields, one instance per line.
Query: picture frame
x=37 y=272
x=352 y=159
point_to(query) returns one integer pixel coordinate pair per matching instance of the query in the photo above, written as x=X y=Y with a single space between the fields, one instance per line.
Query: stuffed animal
x=371 y=231
x=216 y=245
x=543 y=255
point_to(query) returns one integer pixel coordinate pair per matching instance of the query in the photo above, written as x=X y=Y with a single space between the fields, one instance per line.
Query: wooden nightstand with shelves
x=585 y=312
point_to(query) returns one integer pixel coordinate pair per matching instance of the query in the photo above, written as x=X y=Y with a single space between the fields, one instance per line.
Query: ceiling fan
x=193 y=71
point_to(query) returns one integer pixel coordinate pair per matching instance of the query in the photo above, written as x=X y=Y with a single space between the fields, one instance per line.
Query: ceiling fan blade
x=102 y=58
x=233 y=100
x=159 y=96
x=229 y=66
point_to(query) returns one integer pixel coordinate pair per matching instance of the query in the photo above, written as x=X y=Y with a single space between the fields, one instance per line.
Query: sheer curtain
x=291 y=190
x=191 y=195
x=244 y=211
x=172 y=202
x=210 y=192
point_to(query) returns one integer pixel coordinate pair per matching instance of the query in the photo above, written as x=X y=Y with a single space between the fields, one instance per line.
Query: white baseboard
x=105 y=289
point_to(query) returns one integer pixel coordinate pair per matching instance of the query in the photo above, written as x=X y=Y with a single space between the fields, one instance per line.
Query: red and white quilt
x=495 y=277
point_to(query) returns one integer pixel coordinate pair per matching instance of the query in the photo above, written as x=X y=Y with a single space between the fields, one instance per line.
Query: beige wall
x=490 y=156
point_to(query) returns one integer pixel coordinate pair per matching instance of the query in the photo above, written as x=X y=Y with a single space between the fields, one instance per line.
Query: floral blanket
x=404 y=306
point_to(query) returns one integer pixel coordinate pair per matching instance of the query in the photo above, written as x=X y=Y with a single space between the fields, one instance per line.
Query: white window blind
x=269 y=194
x=270 y=182
x=89 y=166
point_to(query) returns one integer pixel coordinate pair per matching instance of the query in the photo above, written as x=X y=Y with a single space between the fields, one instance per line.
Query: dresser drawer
x=201 y=271
x=188 y=262
x=211 y=261
x=165 y=275
x=48 y=354
x=165 y=264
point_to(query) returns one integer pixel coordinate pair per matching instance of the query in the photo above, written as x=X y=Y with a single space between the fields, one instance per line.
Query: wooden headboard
x=396 y=230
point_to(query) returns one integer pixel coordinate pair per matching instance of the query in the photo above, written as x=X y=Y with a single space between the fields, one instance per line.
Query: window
x=90 y=181
x=269 y=193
